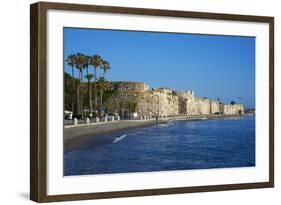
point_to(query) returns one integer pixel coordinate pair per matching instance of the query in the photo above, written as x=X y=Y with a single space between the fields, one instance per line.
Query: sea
x=176 y=145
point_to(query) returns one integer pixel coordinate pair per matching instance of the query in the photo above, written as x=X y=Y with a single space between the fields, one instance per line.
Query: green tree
x=69 y=88
x=80 y=60
x=89 y=77
x=70 y=60
x=102 y=85
x=232 y=102
x=105 y=66
x=132 y=107
x=96 y=62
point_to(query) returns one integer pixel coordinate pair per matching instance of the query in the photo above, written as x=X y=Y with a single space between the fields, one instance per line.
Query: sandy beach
x=74 y=136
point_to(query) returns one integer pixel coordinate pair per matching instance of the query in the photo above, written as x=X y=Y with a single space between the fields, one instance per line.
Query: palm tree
x=79 y=64
x=89 y=77
x=96 y=61
x=70 y=60
x=86 y=66
x=103 y=85
x=105 y=66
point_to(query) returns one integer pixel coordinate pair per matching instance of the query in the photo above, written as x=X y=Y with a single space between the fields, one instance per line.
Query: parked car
x=68 y=115
x=78 y=116
x=111 y=116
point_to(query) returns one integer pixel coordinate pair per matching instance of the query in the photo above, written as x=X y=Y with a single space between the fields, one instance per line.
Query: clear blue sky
x=212 y=66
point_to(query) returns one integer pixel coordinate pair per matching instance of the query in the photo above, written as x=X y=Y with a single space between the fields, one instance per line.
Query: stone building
x=158 y=102
x=229 y=109
x=191 y=105
x=215 y=107
x=187 y=104
x=137 y=97
x=127 y=86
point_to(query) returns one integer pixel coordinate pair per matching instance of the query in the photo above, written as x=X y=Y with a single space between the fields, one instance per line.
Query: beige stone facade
x=158 y=102
x=137 y=97
x=191 y=105
x=236 y=109
x=126 y=86
x=215 y=107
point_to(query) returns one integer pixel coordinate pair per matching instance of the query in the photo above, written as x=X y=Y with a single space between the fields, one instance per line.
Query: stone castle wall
x=121 y=102
x=126 y=86
x=168 y=102
x=158 y=102
x=203 y=106
x=164 y=102
x=235 y=109
x=191 y=105
x=215 y=107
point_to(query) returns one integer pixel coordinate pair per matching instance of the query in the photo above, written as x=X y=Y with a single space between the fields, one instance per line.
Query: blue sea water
x=177 y=145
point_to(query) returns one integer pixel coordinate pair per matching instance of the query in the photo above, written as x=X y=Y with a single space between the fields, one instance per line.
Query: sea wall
x=204 y=106
x=127 y=86
x=215 y=107
x=188 y=104
x=163 y=102
x=191 y=105
x=158 y=102
x=235 y=109
x=122 y=102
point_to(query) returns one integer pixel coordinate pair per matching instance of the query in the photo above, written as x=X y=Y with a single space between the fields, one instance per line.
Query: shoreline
x=74 y=136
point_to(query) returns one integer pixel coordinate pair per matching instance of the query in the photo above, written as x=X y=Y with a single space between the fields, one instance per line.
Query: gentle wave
x=119 y=138
x=163 y=125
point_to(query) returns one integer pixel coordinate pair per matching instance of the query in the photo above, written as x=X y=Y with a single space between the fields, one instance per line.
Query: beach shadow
x=24 y=196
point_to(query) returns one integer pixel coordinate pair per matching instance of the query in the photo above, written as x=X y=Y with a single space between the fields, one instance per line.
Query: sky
x=212 y=66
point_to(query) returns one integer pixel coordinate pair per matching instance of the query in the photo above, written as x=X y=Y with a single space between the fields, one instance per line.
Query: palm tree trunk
x=90 y=97
x=101 y=94
x=81 y=92
x=72 y=93
x=96 y=97
x=73 y=71
x=77 y=111
x=89 y=92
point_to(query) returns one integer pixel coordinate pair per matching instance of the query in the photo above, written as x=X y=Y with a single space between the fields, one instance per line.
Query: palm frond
x=96 y=61
x=89 y=76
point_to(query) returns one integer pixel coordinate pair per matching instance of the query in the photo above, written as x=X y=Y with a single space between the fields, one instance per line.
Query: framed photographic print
x=134 y=102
